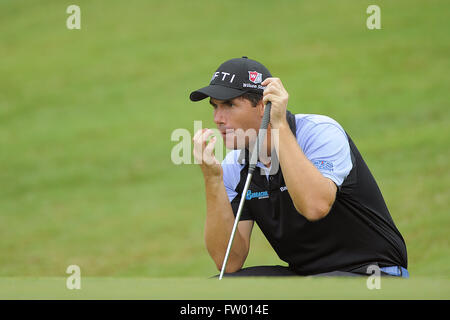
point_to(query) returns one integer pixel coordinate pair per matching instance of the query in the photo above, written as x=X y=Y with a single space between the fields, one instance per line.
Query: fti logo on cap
x=255 y=77
x=224 y=76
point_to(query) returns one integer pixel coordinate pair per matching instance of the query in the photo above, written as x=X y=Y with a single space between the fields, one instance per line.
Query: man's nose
x=219 y=117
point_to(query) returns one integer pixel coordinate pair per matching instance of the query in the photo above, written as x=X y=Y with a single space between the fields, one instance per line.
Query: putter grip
x=261 y=136
x=266 y=117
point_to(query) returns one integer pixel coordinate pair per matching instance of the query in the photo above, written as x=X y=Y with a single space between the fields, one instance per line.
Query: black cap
x=234 y=78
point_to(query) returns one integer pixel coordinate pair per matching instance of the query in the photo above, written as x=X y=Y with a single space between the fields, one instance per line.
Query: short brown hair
x=253 y=97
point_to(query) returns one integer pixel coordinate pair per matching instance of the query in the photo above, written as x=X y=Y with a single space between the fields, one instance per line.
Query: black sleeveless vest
x=357 y=232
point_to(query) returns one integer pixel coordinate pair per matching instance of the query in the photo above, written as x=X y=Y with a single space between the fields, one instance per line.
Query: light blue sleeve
x=326 y=145
x=231 y=174
x=231 y=178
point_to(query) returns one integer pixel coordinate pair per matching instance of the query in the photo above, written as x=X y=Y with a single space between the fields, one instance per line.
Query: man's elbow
x=230 y=268
x=234 y=263
x=315 y=212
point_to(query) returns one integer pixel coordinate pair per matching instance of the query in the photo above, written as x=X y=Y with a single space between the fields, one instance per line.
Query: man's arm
x=219 y=214
x=313 y=194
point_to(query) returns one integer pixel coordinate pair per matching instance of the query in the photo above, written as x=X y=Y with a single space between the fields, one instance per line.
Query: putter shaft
x=236 y=222
x=252 y=165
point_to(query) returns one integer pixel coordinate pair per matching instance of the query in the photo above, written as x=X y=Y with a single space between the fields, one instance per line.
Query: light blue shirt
x=322 y=140
x=325 y=143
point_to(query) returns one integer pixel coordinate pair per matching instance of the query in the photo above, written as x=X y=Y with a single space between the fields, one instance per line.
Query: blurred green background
x=86 y=118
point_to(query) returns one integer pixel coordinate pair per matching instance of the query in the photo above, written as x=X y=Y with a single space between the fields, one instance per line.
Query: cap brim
x=216 y=92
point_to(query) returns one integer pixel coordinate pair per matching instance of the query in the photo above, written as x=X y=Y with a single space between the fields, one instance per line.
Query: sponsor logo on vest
x=260 y=195
x=283 y=188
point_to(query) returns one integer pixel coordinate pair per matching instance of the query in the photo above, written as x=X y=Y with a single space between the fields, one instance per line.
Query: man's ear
x=260 y=107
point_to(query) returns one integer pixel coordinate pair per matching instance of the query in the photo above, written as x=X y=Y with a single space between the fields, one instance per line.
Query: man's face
x=237 y=120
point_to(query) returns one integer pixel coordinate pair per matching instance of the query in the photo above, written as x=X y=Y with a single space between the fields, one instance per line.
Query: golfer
x=312 y=195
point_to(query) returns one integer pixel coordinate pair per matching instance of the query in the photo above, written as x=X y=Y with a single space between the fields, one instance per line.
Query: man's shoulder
x=233 y=161
x=313 y=123
x=232 y=158
x=232 y=167
x=315 y=119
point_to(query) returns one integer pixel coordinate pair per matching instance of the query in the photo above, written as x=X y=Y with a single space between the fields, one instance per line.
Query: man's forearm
x=218 y=226
x=310 y=191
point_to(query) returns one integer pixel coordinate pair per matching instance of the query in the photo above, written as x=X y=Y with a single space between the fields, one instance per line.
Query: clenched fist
x=204 y=153
x=277 y=94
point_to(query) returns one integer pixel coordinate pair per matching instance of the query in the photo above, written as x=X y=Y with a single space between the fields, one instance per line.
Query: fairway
x=225 y=289
x=87 y=116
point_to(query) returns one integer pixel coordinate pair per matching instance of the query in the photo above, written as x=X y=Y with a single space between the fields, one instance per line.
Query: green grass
x=225 y=289
x=86 y=118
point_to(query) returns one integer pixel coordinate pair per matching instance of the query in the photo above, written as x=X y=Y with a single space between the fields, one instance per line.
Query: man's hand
x=277 y=94
x=204 y=154
x=219 y=214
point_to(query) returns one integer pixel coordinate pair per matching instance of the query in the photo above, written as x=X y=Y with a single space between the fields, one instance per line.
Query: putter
x=253 y=159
